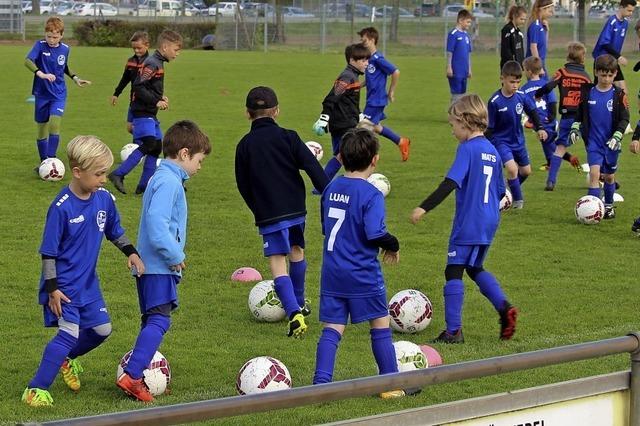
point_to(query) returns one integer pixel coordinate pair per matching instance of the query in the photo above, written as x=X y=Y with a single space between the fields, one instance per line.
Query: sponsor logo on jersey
x=452 y=254
x=78 y=219
x=502 y=109
x=101 y=219
x=266 y=245
x=46 y=53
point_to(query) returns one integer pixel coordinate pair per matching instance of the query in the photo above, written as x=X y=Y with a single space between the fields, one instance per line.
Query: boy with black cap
x=268 y=163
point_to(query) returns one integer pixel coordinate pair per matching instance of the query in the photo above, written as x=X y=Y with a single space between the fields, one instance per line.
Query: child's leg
x=556 y=161
x=148 y=169
x=89 y=339
x=523 y=173
x=297 y=272
x=283 y=285
x=594 y=180
x=512 y=179
x=43 y=141
x=609 y=188
x=54 y=354
x=382 y=346
x=489 y=286
x=453 y=297
x=155 y=324
x=333 y=165
x=548 y=148
x=326 y=352
x=54 y=135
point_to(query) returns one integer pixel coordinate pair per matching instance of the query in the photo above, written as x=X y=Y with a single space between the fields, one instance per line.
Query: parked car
x=164 y=8
x=224 y=8
x=561 y=12
x=479 y=13
x=427 y=9
x=257 y=9
x=296 y=12
x=451 y=10
x=64 y=8
x=27 y=7
x=46 y=7
x=599 y=11
x=388 y=12
x=334 y=10
x=97 y=9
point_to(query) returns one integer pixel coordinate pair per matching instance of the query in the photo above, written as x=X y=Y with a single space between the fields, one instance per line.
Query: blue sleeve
x=34 y=53
x=529 y=104
x=492 y=116
x=451 y=42
x=460 y=167
x=386 y=67
x=533 y=34
x=374 y=225
x=54 y=228
x=552 y=97
x=605 y=35
x=158 y=217
x=113 y=230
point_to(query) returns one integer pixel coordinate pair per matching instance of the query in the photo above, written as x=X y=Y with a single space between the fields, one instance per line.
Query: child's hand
x=391 y=95
x=622 y=61
x=134 y=261
x=179 y=267
x=56 y=297
x=634 y=147
x=162 y=105
x=470 y=74
x=390 y=257
x=114 y=100
x=417 y=214
x=164 y=98
x=80 y=82
x=449 y=71
x=49 y=77
x=542 y=135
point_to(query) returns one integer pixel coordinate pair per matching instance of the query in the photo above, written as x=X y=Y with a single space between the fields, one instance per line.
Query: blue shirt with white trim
x=529 y=89
x=505 y=117
x=460 y=47
x=600 y=117
x=49 y=60
x=376 y=79
x=538 y=33
x=612 y=35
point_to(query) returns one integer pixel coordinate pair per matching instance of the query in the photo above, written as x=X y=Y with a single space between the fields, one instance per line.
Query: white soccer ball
x=316 y=149
x=156 y=376
x=410 y=311
x=409 y=356
x=262 y=374
x=381 y=182
x=264 y=303
x=51 y=170
x=589 y=210
x=506 y=201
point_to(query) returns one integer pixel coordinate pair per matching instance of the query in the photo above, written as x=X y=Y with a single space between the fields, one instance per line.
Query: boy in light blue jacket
x=161 y=239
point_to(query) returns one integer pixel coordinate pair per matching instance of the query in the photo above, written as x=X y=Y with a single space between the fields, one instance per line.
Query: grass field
x=572 y=283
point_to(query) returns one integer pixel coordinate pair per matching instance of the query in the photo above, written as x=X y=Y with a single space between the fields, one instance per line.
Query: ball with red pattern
x=410 y=311
x=156 y=376
x=262 y=374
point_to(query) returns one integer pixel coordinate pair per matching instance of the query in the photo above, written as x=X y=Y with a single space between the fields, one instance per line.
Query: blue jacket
x=163 y=220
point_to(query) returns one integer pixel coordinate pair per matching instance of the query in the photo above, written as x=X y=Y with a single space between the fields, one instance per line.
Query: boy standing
x=48 y=60
x=341 y=107
x=161 y=239
x=459 y=55
x=602 y=117
x=476 y=175
x=80 y=215
x=148 y=98
x=351 y=283
x=376 y=75
x=268 y=163
x=505 y=128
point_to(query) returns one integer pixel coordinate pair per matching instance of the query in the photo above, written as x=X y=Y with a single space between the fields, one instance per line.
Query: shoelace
x=75 y=366
x=42 y=396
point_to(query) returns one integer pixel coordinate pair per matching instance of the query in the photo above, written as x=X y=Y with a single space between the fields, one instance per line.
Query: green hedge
x=116 y=33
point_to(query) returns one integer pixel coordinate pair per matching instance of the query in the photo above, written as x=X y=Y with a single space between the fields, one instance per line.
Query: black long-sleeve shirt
x=511 y=44
x=131 y=70
x=148 y=87
x=342 y=103
x=569 y=80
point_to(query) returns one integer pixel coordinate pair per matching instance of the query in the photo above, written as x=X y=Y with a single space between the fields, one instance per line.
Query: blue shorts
x=146 y=126
x=457 y=85
x=563 y=132
x=157 y=289
x=375 y=114
x=519 y=155
x=605 y=158
x=336 y=138
x=467 y=255
x=337 y=310
x=45 y=108
x=280 y=242
x=129 y=115
x=87 y=316
x=552 y=136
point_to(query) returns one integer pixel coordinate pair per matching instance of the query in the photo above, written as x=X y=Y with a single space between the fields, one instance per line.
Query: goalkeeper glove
x=320 y=126
x=615 y=143
x=574 y=134
x=636 y=67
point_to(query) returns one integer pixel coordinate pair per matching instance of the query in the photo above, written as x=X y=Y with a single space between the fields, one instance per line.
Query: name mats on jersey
x=341 y=198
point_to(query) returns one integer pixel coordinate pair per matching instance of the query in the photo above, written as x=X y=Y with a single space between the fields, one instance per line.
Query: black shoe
x=508 y=318
x=412 y=391
x=306 y=309
x=636 y=226
x=609 y=212
x=550 y=186
x=140 y=190
x=118 y=182
x=446 y=337
x=37 y=170
x=617 y=185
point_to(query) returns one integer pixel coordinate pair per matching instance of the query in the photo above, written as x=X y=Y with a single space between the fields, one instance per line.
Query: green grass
x=573 y=283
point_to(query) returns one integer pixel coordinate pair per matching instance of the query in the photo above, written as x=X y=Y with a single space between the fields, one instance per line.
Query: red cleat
x=575 y=162
x=135 y=388
x=508 y=318
x=404 y=145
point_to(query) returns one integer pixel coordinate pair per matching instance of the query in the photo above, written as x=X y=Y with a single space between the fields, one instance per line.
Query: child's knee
x=453 y=272
x=297 y=254
x=103 y=330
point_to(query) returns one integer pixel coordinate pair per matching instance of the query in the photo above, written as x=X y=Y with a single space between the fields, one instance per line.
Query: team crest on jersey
x=101 y=219
x=61 y=59
x=610 y=105
x=371 y=68
x=518 y=108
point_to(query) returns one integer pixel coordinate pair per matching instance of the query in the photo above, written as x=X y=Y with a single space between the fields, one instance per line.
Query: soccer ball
x=156 y=376
x=507 y=200
x=126 y=151
x=409 y=356
x=316 y=149
x=262 y=374
x=381 y=182
x=410 y=311
x=264 y=303
x=589 y=210
x=51 y=170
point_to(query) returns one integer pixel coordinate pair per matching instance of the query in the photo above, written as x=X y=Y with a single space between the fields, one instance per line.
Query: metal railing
x=233 y=406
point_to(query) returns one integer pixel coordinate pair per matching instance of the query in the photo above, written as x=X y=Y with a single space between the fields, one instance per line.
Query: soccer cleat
x=508 y=318
x=37 y=170
x=70 y=371
x=297 y=326
x=517 y=204
x=609 y=212
x=617 y=185
x=544 y=167
x=636 y=226
x=446 y=337
x=306 y=309
x=118 y=182
x=139 y=190
x=393 y=394
x=550 y=186
x=135 y=388
x=404 y=145
x=575 y=163
x=36 y=397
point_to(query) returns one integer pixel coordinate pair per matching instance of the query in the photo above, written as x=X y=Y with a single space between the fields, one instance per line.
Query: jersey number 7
x=338 y=214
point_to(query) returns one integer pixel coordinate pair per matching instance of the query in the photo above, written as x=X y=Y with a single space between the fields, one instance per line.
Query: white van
x=162 y=8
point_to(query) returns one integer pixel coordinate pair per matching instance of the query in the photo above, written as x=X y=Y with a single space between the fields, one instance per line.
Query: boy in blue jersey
x=505 y=128
x=267 y=166
x=459 y=55
x=78 y=218
x=351 y=282
x=611 y=39
x=378 y=97
x=161 y=239
x=147 y=98
x=476 y=175
x=602 y=117
x=48 y=60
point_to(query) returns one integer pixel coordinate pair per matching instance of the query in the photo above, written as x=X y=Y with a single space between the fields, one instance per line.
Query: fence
x=307 y=395
x=11 y=19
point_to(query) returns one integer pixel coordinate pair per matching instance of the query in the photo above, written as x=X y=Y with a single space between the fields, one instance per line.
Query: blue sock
x=54 y=355
x=147 y=344
x=548 y=149
x=128 y=164
x=42 y=148
x=149 y=168
x=490 y=288
x=390 y=134
x=522 y=178
x=453 y=300
x=297 y=272
x=52 y=148
x=609 y=190
x=554 y=168
x=326 y=355
x=514 y=186
x=284 y=290
x=383 y=350
x=332 y=168
x=596 y=191
x=88 y=340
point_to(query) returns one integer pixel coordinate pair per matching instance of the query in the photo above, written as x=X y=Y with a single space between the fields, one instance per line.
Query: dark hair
x=511 y=69
x=142 y=36
x=515 y=11
x=356 y=52
x=259 y=113
x=369 y=32
x=625 y=3
x=169 y=36
x=185 y=134
x=607 y=63
x=357 y=149
x=464 y=14
x=533 y=64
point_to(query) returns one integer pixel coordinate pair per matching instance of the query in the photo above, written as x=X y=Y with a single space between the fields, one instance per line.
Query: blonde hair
x=471 y=111
x=169 y=36
x=54 y=24
x=576 y=52
x=535 y=10
x=89 y=153
x=533 y=64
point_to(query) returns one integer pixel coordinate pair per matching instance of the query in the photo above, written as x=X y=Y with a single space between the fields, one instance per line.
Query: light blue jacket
x=163 y=220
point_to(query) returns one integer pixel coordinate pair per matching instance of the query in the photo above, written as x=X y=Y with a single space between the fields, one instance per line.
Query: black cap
x=261 y=97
